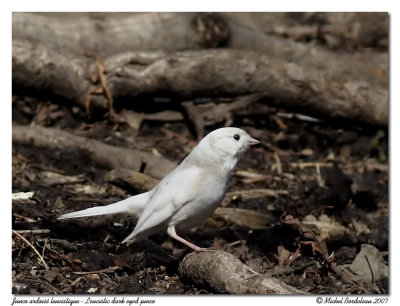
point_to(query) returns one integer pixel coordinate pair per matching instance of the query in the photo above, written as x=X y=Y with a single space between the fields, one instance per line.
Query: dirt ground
x=332 y=178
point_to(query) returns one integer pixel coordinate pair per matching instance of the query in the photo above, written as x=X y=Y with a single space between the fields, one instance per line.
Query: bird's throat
x=230 y=164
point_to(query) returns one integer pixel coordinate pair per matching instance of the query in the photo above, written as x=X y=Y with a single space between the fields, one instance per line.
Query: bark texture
x=93 y=59
x=227 y=274
x=211 y=72
x=109 y=34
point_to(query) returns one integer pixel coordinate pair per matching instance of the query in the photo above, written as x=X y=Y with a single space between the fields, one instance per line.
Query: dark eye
x=236 y=137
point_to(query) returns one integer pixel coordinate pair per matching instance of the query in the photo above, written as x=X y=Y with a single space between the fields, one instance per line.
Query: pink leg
x=172 y=233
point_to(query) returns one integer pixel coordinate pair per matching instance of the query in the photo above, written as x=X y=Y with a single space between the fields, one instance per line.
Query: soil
x=347 y=187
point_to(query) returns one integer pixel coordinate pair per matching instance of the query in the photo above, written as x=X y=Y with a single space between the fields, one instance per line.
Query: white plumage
x=189 y=194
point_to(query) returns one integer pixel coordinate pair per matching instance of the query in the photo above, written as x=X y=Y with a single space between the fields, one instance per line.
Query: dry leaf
x=329 y=229
x=368 y=265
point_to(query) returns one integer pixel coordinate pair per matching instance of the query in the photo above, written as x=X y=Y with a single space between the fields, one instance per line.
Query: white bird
x=189 y=194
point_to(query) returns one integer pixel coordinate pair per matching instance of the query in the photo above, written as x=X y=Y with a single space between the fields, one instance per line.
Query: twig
x=311 y=164
x=320 y=180
x=250 y=174
x=28 y=220
x=370 y=268
x=37 y=231
x=278 y=164
x=235 y=243
x=101 y=69
x=107 y=270
x=298 y=117
x=33 y=248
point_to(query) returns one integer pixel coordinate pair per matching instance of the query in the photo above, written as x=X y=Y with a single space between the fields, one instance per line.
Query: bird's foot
x=205 y=249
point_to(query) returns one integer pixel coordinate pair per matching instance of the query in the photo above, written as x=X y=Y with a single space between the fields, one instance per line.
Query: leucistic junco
x=189 y=194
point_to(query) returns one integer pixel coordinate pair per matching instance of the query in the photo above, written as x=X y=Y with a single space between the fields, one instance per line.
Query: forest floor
x=334 y=179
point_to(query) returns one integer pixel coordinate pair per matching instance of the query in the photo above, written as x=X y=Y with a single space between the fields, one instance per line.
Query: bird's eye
x=236 y=137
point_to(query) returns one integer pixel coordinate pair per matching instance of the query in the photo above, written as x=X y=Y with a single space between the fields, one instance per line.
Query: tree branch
x=103 y=154
x=227 y=274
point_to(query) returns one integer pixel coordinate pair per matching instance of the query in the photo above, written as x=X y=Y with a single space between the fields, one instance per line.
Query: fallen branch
x=108 y=34
x=244 y=218
x=234 y=72
x=227 y=274
x=39 y=68
x=139 y=181
x=115 y=33
x=223 y=73
x=103 y=154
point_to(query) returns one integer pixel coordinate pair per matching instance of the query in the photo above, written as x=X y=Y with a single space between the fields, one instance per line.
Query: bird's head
x=229 y=141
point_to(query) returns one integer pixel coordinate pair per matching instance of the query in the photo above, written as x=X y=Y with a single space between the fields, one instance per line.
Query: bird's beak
x=252 y=142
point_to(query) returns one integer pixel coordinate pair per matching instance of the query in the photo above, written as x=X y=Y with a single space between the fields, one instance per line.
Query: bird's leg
x=184 y=236
x=172 y=233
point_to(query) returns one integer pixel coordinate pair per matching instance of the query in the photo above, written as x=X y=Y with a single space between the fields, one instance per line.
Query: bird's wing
x=177 y=189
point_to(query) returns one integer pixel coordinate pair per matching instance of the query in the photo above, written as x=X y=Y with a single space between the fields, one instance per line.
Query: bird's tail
x=133 y=206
